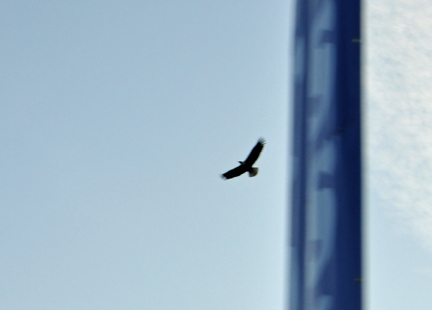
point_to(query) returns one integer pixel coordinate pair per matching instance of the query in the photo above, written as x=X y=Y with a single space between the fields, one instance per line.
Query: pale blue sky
x=116 y=120
x=398 y=149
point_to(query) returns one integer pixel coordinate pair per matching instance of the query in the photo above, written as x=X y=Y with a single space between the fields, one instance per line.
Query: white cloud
x=398 y=58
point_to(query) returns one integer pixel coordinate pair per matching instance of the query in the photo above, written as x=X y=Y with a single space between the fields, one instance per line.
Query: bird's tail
x=253 y=172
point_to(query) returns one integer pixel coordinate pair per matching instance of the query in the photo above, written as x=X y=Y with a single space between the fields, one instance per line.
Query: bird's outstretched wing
x=234 y=172
x=255 y=153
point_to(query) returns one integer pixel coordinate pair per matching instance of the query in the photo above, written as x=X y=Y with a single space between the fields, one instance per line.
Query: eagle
x=246 y=166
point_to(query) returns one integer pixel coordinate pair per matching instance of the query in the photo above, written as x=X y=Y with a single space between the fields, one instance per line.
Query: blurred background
x=117 y=119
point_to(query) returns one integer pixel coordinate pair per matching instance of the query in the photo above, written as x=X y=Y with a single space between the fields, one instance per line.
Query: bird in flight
x=246 y=166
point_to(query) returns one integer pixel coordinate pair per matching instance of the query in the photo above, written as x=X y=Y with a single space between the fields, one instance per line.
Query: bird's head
x=241 y=163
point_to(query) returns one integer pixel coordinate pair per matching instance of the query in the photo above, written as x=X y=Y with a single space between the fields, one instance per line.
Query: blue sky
x=117 y=119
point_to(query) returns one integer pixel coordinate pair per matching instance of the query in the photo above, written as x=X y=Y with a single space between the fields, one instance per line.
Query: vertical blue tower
x=326 y=217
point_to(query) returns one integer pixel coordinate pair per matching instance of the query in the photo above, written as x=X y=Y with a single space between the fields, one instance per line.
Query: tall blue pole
x=326 y=206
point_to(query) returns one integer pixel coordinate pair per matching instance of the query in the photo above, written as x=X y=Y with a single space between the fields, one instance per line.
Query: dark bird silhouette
x=246 y=166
